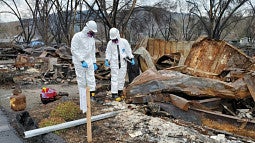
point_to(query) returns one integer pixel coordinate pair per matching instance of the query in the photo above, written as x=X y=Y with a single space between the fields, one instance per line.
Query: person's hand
x=133 y=61
x=95 y=67
x=84 y=64
x=106 y=63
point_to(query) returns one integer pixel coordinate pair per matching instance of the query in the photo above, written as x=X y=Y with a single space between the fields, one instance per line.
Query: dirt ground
x=129 y=126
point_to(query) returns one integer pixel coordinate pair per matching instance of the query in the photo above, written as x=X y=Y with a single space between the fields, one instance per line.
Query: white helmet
x=92 y=25
x=114 y=33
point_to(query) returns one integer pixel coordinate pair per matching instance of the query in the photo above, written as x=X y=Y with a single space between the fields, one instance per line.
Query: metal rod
x=48 y=129
x=128 y=60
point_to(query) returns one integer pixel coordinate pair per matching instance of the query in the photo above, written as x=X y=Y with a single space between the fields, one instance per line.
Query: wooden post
x=88 y=115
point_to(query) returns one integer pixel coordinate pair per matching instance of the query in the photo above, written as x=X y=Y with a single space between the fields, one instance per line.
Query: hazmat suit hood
x=114 y=34
x=85 y=30
x=90 y=26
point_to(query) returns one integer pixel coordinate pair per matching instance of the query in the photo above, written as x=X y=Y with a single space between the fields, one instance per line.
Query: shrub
x=51 y=121
x=67 y=110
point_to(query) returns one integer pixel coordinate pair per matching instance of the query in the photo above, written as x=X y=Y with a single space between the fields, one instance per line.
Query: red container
x=48 y=95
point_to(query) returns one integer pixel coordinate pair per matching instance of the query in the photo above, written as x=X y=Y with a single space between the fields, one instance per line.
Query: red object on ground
x=48 y=95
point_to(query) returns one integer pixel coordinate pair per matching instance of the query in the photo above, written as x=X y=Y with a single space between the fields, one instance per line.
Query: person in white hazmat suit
x=118 y=53
x=84 y=60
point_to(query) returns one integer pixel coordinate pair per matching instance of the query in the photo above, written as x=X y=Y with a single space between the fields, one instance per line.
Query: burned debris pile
x=208 y=82
x=41 y=64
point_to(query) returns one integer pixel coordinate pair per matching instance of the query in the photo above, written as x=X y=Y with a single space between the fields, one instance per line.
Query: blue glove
x=84 y=64
x=95 y=67
x=106 y=63
x=133 y=61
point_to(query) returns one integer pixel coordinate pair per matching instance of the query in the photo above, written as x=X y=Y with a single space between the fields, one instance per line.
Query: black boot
x=114 y=95
x=120 y=93
x=92 y=96
x=120 y=96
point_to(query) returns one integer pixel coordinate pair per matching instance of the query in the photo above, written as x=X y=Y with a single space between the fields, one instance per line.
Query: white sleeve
x=108 y=51
x=74 y=48
x=94 y=52
x=128 y=49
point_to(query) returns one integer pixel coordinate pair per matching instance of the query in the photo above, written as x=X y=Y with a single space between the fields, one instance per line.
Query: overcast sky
x=25 y=12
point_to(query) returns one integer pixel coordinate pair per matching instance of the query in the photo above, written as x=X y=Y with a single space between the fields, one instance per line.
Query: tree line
x=58 y=20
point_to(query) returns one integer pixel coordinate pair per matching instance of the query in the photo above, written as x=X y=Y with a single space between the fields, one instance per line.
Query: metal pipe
x=48 y=129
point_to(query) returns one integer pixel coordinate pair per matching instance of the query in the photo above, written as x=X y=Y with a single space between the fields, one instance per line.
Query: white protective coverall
x=83 y=49
x=111 y=54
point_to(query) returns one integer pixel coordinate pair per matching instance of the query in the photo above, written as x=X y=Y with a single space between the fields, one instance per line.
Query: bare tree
x=114 y=14
x=66 y=14
x=250 y=26
x=166 y=23
x=43 y=10
x=216 y=15
x=189 y=25
x=161 y=21
x=164 y=17
x=27 y=25
x=143 y=23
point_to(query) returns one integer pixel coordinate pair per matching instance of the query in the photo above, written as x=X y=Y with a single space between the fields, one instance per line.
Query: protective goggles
x=115 y=40
x=91 y=34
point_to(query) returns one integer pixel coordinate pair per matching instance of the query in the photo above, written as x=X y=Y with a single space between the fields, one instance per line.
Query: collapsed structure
x=208 y=82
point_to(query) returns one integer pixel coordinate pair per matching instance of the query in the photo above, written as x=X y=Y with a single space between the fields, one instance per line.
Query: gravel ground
x=130 y=125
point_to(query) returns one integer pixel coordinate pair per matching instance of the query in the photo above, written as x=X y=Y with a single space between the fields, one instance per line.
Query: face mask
x=115 y=41
x=91 y=34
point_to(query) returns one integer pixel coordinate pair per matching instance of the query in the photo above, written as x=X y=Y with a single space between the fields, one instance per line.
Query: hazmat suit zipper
x=119 y=56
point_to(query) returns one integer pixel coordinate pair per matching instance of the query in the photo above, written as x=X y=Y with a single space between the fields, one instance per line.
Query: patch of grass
x=52 y=121
x=69 y=111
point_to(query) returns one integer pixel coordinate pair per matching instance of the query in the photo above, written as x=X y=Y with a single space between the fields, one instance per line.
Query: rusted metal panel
x=44 y=63
x=143 y=99
x=215 y=56
x=168 y=48
x=211 y=103
x=145 y=59
x=179 y=102
x=24 y=61
x=149 y=47
x=213 y=120
x=173 y=81
x=250 y=81
x=162 y=49
x=143 y=64
x=158 y=48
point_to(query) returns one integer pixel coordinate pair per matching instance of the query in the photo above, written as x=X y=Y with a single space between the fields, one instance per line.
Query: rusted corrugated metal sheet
x=250 y=81
x=23 y=60
x=158 y=48
x=170 y=81
x=212 y=57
